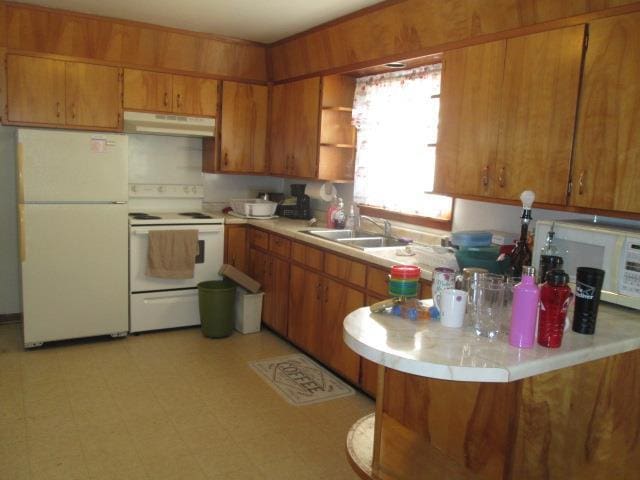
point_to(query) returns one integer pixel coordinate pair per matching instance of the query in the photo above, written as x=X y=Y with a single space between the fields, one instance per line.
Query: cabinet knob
x=226 y=159
x=581 y=182
x=58 y=109
x=73 y=110
x=166 y=99
x=178 y=101
x=501 y=176
x=318 y=291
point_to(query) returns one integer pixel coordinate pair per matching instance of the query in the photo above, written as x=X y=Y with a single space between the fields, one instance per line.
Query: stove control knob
x=160 y=189
x=185 y=189
x=194 y=189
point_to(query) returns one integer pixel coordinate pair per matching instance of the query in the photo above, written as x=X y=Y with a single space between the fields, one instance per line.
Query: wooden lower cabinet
x=339 y=300
x=305 y=310
x=235 y=250
x=276 y=294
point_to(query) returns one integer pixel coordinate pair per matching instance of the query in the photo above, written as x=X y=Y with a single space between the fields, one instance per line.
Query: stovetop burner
x=143 y=216
x=196 y=215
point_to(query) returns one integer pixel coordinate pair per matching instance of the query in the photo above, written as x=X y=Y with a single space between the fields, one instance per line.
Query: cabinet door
x=369 y=369
x=277 y=295
x=304 y=115
x=538 y=110
x=606 y=169
x=469 y=109
x=258 y=268
x=305 y=301
x=35 y=90
x=339 y=301
x=236 y=247
x=145 y=90
x=244 y=128
x=93 y=95
x=195 y=96
x=281 y=131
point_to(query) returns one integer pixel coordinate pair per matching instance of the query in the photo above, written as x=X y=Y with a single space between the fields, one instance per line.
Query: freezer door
x=74 y=271
x=63 y=166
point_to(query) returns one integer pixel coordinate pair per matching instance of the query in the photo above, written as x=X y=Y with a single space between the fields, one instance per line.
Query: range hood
x=167 y=124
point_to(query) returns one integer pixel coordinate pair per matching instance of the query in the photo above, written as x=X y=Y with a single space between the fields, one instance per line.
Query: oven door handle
x=200 y=230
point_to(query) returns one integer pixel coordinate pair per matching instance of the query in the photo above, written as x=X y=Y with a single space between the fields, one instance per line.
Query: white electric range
x=161 y=303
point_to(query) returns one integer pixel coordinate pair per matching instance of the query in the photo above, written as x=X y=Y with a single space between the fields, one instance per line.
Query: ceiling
x=258 y=20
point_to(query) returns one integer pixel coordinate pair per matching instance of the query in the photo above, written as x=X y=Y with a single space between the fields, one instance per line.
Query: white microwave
x=613 y=248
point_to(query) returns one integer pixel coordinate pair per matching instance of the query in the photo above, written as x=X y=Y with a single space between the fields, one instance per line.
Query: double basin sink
x=356 y=239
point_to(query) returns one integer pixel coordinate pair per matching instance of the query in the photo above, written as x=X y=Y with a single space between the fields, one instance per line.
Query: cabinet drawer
x=345 y=270
x=259 y=239
x=309 y=256
x=378 y=281
x=279 y=245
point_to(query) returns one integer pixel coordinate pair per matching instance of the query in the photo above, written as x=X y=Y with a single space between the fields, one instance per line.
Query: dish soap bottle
x=521 y=253
x=339 y=217
x=550 y=257
x=330 y=211
x=351 y=218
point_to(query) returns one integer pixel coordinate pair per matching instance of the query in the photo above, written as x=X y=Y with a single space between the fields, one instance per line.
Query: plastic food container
x=405 y=271
x=253 y=207
x=471 y=238
x=403 y=288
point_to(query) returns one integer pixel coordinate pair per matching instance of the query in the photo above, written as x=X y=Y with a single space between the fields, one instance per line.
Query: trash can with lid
x=216 y=299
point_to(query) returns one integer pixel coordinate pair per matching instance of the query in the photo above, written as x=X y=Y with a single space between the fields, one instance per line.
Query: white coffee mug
x=452 y=304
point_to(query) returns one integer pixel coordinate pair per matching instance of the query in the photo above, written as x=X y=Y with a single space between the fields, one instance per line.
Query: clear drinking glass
x=489 y=308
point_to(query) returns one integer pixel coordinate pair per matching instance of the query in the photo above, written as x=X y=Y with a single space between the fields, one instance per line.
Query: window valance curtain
x=396 y=115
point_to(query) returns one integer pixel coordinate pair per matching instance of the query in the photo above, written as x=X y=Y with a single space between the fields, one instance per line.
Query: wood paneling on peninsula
x=410 y=28
x=43 y=30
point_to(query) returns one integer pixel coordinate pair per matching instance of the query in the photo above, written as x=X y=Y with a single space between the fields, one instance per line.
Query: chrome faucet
x=386 y=224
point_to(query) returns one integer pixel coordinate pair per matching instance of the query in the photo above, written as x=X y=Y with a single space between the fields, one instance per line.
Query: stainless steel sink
x=338 y=234
x=372 y=242
x=355 y=239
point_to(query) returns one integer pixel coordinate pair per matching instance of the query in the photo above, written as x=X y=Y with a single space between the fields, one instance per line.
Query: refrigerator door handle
x=22 y=247
x=118 y=203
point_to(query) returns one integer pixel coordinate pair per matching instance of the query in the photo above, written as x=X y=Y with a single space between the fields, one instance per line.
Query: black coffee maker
x=301 y=209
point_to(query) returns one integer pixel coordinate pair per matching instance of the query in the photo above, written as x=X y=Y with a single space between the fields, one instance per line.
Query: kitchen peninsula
x=453 y=405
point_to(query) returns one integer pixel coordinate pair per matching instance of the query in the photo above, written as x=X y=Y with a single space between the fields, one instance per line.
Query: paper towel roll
x=321 y=191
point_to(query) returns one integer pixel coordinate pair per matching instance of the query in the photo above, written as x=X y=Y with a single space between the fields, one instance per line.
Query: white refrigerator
x=72 y=202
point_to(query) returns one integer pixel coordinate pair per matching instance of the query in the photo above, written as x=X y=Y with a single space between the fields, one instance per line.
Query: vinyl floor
x=165 y=405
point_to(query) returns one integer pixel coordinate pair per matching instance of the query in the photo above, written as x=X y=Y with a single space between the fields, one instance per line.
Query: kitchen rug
x=300 y=380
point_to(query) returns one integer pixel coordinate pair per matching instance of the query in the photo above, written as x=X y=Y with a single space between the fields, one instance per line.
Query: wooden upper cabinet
x=537 y=116
x=243 y=134
x=294 y=128
x=280 y=132
x=195 y=96
x=144 y=90
x=35 y=90
x=606 y=168
x=469 y=110
x=59 y=93
x=163 y=92
x=93 y=95
x=305 y=115
x=507 y=116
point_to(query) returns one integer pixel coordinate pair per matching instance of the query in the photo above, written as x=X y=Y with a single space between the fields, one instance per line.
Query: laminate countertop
x=428 y=349
x=425 y=256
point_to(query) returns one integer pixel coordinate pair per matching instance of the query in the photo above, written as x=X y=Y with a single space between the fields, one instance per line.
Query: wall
x=10 y=295
x=220 y=188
